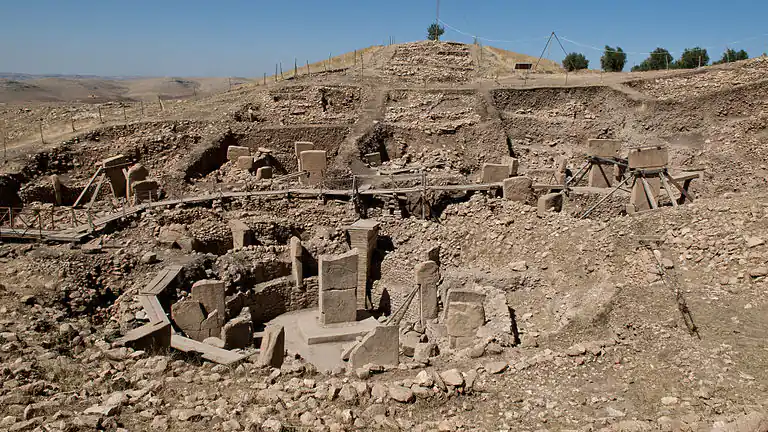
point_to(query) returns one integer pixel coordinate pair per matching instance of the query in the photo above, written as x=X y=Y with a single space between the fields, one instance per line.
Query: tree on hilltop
x=659 y=59
x=434 y=31
x=613 y=59
x=731 y=55
x=693 y=58
x=575 y=61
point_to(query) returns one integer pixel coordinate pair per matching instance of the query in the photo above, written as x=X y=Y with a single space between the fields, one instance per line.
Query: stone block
x=56 y=184
x=551 y=201
x=114 y=162
x=237 y=333
x=495 y=173
x=188 y=315
x=638 y=200
x=463 y=319
x=433 y=254
x=302 y=146
x=137 y=172
x=338 y=306
x=242 y=235
x=381 y=346
x=245 y=163
x=465 y=295
x=363 y=236
x=152 y=337
x=297 y=265
x=600 y=176
x=427 y=277
x=374 y=159
x=234 y=152
x=272 y=348
x=210 y=293
x=605 y=148
x=338 y=272
x=518 y=189
x=313 y=163
x=264 y=173
x=561 y=165
x=656 y=157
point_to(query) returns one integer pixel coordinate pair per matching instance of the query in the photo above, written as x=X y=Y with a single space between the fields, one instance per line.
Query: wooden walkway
x=74 y=235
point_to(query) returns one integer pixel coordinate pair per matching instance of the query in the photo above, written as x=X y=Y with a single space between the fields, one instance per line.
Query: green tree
x=575 y=61
x=613 y=59
x=659 y=59
x=731 y=55
x=434 y=31
x=693 y=58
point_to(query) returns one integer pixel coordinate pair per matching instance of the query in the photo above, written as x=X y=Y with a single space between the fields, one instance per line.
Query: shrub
x=613 y=59
x=659 y=59
x=575 y=61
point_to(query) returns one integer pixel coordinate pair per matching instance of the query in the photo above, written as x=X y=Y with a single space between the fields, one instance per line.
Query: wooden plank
x=161 y=281
x=210 y=353
x=668 y=190
x=153 y=308
x=88 y=186
x=96 y=192
x=685 y=176
x=684 y=193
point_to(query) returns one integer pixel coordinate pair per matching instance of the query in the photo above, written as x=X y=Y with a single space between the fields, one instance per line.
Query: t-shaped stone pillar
x=363 y=235
x=600 y=174
x=113 y=169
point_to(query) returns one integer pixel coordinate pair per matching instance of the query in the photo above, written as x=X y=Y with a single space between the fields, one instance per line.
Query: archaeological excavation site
x=419 y=238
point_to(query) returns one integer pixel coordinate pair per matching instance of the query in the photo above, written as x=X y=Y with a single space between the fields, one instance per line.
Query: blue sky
x=247 y=38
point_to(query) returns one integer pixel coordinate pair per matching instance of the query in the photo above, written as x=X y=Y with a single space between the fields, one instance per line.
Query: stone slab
x=302 y=146
x=495 y=173
x=272 y=352
x=245 y=162
x=656 y=157
x=234 y=152
x=152 y=337
x=237 y=333
x=211 y=294
x=313 y=163
x=188 y=315
x=606 y=148
x=427 y=277
x=551 y=201
x=638 y=199
x=381 y=346
x=313 y=332
x=518 y=189
x=114 y=161
x=264 y=173
x=463 y=319
x=338 y=272
x=338 y=306
x=208 y=352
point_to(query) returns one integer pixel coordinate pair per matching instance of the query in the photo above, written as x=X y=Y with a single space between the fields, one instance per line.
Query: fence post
x=295 y=67
x=142 y=109
x=72 y=119
x=309 y=73
x=160 y=101
x=101 y=119
x=42 y=139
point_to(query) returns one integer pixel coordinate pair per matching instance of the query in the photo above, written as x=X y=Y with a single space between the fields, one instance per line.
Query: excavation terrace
x=417 y=237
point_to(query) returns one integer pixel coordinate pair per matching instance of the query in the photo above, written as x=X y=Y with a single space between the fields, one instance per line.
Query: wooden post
x=355 y=61
x=295 y=67
x=275 y=72
x=42 y=140
x=160 y=101
x=281 y=71
x=101 y=119
x=265 y=78
x=142 y=109
x=72 y=120
x=230 y=83
x=309 y=73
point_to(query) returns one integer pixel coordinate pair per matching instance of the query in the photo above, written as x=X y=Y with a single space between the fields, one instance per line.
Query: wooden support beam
x=649 y=193
x=668 y=190
x=88 y=186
